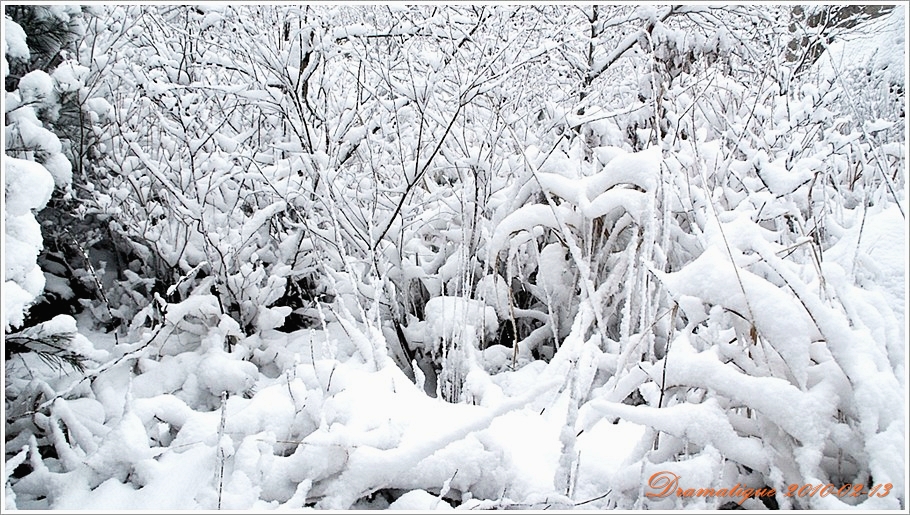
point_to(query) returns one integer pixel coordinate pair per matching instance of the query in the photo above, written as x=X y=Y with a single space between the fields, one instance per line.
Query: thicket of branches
x=656 y=203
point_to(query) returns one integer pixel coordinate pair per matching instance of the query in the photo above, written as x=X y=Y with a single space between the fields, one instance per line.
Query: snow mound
x=419 y=500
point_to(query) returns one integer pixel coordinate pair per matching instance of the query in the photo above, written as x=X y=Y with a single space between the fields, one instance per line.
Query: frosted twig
x=219 y=476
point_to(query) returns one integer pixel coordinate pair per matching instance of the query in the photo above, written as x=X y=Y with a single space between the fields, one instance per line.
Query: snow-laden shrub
x=761 y=358
x=196 y=204
x=34 y=163
x=612 y=240
x=28 y=187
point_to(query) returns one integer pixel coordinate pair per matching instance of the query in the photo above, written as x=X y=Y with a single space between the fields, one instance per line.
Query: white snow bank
x=602 y=450
x=879 y=44
x=874 y=247
x=368 y=467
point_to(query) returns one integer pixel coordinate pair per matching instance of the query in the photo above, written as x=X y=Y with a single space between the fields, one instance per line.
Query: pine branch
x=51 y=349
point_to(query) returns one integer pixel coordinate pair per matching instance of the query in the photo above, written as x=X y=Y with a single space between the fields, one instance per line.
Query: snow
x=14 y=40
x=36 y=87
x=554 y=270
x=875 y=250
x=14 y=44
x=28 y=187
x=368 y=467
x=100 y=107
x=218 y=373
x=601 y=465
x=212 y=18
x=420 y=500
x=527 y=218
x=594 y=196
x=455 y=317
x=493 y=291
x=638 y=168
x=70 y=76
x=567 y=303
x=355 y=30
x=781 y=321
x=16 y=300
x=880 y=46
x=60 y=168
x=775 y=174
x=31 y=133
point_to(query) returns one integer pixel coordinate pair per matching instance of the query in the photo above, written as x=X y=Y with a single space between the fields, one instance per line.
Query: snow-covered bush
x=756 y=299
x=28 y=186
x=34 y=162
x=474 y=256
